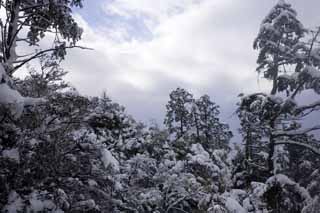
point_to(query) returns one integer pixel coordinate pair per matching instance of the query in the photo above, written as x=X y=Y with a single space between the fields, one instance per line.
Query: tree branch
x=43 y=52
x=296 y=132
x=306 y=107
x=307 y=146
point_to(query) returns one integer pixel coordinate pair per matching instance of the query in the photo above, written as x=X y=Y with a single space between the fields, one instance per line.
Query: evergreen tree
x=292 y=65
x=178 y=115
x=278 y=42
x=216 y=135
x=46 y=81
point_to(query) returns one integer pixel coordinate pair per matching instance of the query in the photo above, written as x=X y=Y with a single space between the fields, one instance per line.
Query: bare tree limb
x=43 y=52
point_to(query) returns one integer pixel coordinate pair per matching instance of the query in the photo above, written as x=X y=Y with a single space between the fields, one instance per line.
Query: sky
x=144 y=49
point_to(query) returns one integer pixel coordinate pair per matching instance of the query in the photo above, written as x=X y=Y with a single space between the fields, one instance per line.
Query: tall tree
x=278 y=42
x=215 y=133
x=280 y=47
x=29 y=21
x=178 y=112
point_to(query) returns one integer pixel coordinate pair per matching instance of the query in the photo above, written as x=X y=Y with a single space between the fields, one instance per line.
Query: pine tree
x=289 y=60
x=281 y=49
x=178 y=115
x=278 y=41
x=216 y=134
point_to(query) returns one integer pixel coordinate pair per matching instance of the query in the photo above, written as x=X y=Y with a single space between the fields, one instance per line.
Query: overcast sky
x=143 y=49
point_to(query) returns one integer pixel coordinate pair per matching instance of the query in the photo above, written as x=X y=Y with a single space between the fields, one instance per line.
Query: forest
x=61 y=151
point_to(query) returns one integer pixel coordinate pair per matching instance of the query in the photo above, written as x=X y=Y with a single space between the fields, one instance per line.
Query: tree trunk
x=10 y=43
x=247 y=145
x=272 y=122
x=181 y=127
x=196 y=121
x=271 y=151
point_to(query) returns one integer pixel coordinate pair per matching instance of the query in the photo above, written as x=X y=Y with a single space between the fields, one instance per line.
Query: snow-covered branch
x=314 y=105
x=308 y=146
x=296 y=132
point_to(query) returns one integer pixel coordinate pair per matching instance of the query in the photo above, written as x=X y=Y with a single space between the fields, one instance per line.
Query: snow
x=281 y=179
x=315 y=53
x=258 y=188
x=85 y=205
x=12 y=98
x=12 y=154
x=201 y=155
x=233 y=206
x=92 y=183
x=179 y=166
x=284 y=180
x=15 y=203
x=263 y=154
x=108 y=160
x=71 y=91
x=288 y=77
x=312 y=72
x=39 y=205
x=276 y=99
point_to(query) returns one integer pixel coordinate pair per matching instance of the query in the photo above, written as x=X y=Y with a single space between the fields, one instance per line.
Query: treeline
x=78 y=154
x=61 y=151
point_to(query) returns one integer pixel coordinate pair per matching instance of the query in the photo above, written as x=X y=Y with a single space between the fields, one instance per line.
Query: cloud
x=147 y=48
x=190 y=48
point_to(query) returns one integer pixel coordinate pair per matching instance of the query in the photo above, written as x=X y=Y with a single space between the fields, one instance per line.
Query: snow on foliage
x=283 y=180
x=12 y=154
x=15 y=203
x=11 y=98
x=233 y=206
x=108 y=160
x=86 y=154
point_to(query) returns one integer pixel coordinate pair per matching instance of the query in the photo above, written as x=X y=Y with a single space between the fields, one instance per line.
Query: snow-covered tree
x=178 y=117
x=209 y=128
x=282 y=56
x=289 y=58
x=27 y=22
x=43 y=82
x=278 y=41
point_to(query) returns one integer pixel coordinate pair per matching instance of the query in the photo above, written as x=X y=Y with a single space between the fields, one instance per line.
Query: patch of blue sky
x=97 y=18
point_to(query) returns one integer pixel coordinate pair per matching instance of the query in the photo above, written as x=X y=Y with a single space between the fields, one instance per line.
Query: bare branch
x=43 y=52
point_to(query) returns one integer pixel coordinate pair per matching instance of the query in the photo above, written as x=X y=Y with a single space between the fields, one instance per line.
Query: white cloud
x=151 y=12
x=191 y=48
x=204 y=46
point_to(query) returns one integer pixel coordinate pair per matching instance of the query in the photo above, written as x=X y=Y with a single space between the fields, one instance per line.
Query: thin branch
x=181 y=210
x=296 y=132
x=308 y=146
x=307 y=107
x=308 y=62
x=43 y=52
x=11 y=42
x=312 y=44
x=41 y=5
x=176 y=202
